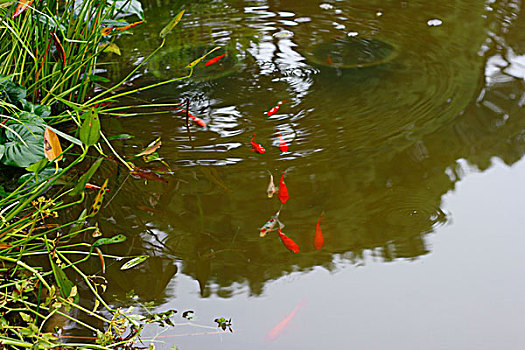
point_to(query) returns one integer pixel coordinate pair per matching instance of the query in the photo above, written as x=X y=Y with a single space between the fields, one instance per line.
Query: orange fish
x=277 y=330
x=318 y=237
x=194 y=118
x=22 y=6
x=146 y=175
x=274 y=109
x=283 y=190
x=102 y=104
x=214 y=60
x=329 y=60
x=282 y=144
x=94 y=187
x=288 y=242
x=256 y=147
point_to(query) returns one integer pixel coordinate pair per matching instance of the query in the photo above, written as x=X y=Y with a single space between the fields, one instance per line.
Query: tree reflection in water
x=374 y=149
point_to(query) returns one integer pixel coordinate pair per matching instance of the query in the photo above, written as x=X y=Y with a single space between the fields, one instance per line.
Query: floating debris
x=283 y=34
x=434 y=22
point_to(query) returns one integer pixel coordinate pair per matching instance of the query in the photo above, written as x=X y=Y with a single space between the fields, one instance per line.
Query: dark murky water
x=391 y=152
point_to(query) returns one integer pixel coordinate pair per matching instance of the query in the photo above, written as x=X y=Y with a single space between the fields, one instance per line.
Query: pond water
x=404 y=121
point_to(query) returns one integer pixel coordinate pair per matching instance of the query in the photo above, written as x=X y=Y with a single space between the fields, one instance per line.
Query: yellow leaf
x=52 y=148
x=97 y=204
x=194 y=63
x=111 y=48
x=121 y=29
x=106 y=31
x=169 y=27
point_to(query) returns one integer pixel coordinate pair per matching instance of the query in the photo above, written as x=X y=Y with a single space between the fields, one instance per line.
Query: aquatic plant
x=49 y=53
x=52 y=47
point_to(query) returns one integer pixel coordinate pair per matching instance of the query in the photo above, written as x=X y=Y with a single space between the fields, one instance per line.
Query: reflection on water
x=374 y=148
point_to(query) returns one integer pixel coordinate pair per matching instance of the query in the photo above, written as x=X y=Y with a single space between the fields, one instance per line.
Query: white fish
x=270 y=224
x=271 y=187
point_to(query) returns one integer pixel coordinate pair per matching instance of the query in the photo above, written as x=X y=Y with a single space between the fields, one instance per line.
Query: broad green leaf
x=39 y=177
x=169 y=27
x=126 y=8
x=134 y=262
x=90 y=129
x=23 y=153
x=10 y=91
x=103 y=241
x=39 y=110
x=84 y=179
x=36 y=167
x=64 y=284
x=194 y=63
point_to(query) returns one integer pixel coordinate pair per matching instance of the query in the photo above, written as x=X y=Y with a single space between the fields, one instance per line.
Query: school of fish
x=282 y=192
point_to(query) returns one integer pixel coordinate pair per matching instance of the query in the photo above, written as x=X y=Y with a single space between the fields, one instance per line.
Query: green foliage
x=24 y=143
x=84 y=179
x=51 y=48
x=65 y=286
x=111 y=240
x=49 y=54
x=22 y=135
x=90 y=129
x=224 y=323
x=134 y=262
x=169 y=27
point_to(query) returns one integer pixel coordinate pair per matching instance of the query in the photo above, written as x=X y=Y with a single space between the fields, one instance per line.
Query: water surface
x=414 y=161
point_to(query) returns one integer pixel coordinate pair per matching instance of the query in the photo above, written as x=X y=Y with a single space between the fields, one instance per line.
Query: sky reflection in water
x=376 y=149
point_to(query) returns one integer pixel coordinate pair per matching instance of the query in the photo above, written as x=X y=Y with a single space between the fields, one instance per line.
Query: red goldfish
x=283 y=146
x=329 y=60
x=283 y=190
x=270 y=224
x=274 y=109
x=256 y=147
x=196 y=120
x=318 y=237
x=288 y=242
x=277 y=330
x=214 y=60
